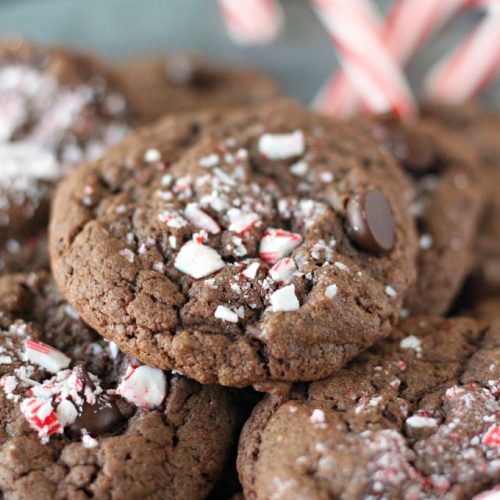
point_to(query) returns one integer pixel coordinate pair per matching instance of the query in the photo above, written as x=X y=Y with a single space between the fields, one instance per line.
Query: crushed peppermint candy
x=283 y=270
x=226 y=314
x=41 y=417
x=277 y=243
x=209 y=161
x=143 y=386
x=152 y=155
x=331 y=291
x=251 y=271
x=284 y=299
x=390 y=291
x=418 y=421
x=198 y=260
x=242 y=222
x=299 y=168
x=492 y=436
x=317 y=417
x=45 y=356
x=201 y=219
x=411 y=342
x=282 y=146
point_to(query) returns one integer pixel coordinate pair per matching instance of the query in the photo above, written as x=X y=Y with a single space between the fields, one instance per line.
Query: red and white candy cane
x=461 y=75
x=365 y=58
x=252 y=22
x=407 y=26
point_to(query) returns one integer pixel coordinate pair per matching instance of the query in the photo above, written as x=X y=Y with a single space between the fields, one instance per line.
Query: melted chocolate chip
x=99 y=418
x=413 y=150
x=370 y=223
x=182 y=70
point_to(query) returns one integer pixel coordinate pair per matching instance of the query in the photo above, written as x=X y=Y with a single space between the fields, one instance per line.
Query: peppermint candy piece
x=283 y=270
x=66 y=412
x=41 y=417
x=242 y=222
x=251 y=271
x=492 y=436
x=198 y=260
x=276 y=244
x=143 y=386
x=23 y=159
x=225 y=314
x=46 y=356
x=282 y=146
x=201 y=219
x=285 y=299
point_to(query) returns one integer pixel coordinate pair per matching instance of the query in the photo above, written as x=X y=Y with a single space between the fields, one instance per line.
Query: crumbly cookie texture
x=79 y=419
x=176 y=83
x=415 y=417
x=58 y=108
x=448 y=197
x=267 y=244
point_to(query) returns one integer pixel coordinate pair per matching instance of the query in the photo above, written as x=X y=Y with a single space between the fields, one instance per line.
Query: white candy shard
x=317 y=417
x=276 y=244
x=418 y=422
x=331 y=291
x=66 y=412
x=152 y=155
x=242 y=222
x=390 y=291
x=283 y=270
x=201 y=219
x=282 y=146
x=45 y=356
x=198 y=260
x=225 y=314
x=23 y=159
x=285 y=299
x=251 y=271
x=411 y=342
x=143 y=386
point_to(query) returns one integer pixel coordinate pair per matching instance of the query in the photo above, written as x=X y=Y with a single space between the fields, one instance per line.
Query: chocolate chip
x=413 y=150
x=99 y=418
x=369 y=221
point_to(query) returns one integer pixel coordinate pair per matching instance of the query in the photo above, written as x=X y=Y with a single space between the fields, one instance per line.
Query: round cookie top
x=79 y=419
x=157 y=86
x=448 y=196
x=57 y=108
x=417 y=416
x=265 y=244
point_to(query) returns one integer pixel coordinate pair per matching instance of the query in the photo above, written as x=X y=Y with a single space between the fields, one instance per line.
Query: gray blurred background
x=301 y=59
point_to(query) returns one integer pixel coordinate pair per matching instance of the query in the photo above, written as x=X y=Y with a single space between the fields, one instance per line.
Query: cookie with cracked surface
x=57 y=108
x=480 y=130
x=447 y=199
x=265 y=244
x=79 y=419
x=416 y=416
x=156 y=86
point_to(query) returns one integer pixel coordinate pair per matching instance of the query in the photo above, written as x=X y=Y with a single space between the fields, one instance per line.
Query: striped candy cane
x=461 y=75
x=408 y=25
x=252 y=22
x=367 y=62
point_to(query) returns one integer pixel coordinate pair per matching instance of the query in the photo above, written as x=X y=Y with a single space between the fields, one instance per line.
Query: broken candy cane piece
x=283 y=270
x=143 y=386
x=201 y=219
x=45 y=356
x=282 y=146
x=276 y=244
x=198 y=260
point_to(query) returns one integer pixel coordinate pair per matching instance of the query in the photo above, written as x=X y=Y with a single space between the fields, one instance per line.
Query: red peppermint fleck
x=402 y=365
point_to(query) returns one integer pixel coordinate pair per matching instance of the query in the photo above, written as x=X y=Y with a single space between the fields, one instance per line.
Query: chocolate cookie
x=415 y=417
x=57 y=108
x=448 y=197
x=266 y=244
x=78 y=419
x=157 y=86
x=480 y=130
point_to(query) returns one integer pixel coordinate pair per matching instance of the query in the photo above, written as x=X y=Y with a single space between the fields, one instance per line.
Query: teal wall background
x=301 y=60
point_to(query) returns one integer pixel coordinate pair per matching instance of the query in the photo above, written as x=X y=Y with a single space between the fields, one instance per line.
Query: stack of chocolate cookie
x=219 y=250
